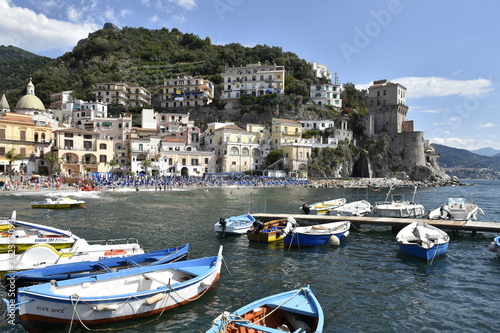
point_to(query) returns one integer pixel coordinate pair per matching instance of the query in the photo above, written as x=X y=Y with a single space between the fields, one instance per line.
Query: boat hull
x=426 y=254
x=271 y=232
x=299 y=239
x=317 y=234
x=236 y=225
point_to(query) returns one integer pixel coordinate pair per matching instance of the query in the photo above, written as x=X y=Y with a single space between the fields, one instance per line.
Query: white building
x=326 y=94
x=316 y=125
x=320 y=71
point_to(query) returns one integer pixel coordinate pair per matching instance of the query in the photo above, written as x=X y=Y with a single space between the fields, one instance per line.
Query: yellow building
x=81 y=151
x=19 y=132
x=285 y=131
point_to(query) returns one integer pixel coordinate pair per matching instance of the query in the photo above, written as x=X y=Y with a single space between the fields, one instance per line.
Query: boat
x=128 y=294
x=235 y=225
x=101 y=266
x=456 y=209
x=291 y=311
x=322 y=207
x=57 y=204
x=267 y=232
x=495 y=245
x=422 y=240
x=328 y=233
x=41 y=255
x=21 y=235
x=398 y=206
x=355 y=208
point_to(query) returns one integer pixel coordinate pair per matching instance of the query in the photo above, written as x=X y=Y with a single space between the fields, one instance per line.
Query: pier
x=396 y=223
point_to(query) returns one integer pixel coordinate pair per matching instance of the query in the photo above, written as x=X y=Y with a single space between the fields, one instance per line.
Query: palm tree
x=146 y=164
x=12 y=156
x=52 y=160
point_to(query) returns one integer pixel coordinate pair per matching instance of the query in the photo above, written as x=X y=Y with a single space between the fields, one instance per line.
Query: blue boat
x=331 y=233
x=88 y=268
x=235 y=225
x=422 y=240
x=292 y=311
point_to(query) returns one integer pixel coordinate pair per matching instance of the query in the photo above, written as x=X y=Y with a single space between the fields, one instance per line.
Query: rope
x=437 y=246
x=225 y=265
x=361 y=230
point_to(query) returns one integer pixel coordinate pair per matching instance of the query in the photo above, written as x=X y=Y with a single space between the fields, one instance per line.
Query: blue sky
x=444 y=52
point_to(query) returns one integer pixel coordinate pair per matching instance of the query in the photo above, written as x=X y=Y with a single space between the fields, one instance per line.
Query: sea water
x=365 y=285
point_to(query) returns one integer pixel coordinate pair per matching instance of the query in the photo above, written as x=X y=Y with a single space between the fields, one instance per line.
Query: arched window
x=245 y=152
x=234 y=151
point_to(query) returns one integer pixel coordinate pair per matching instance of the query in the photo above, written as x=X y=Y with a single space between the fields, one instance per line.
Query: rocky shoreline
x=383 y=182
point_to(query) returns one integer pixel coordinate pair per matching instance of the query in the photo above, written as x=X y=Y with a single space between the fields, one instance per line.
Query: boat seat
x=195 y=271
x=257 y=328
x=154 y=278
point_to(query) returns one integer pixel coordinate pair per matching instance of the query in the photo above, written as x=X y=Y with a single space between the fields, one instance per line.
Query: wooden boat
x=108 y=298
x=235 y=225
x=328 y=233
x=456 y=209
x=423 y=240
x=21 y=235
x=58 y=204
x=323 y=207
x=267 y=232
x=292 y=311
x=355 y=208
x=87 y=268
x=41 y=255
x=398 y=206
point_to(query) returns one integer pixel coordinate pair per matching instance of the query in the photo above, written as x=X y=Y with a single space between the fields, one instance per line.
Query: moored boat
x=423 y=240
x=398 y=206
x=108 y=298
x=292 y=311
x=456 y=209
x=235 y=225
x=267 y=232
x=332 y=233
x=355 y=208
x=57 y=204
x=322 y=207
x=101 y=266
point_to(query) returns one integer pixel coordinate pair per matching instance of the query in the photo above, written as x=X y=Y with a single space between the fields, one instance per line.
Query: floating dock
x=396 y=223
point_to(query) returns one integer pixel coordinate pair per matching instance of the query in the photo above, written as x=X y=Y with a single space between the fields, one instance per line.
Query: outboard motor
x=257 y=226
x=445 y=212
x=291 y=224
x=223 y=222
x=306 y=209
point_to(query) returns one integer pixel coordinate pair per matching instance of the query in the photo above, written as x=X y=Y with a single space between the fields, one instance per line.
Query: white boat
x=322 y=207
x=423 y=240
x=42 y=255
x=235 y=225
x=355 y=208
x=57 y=204
x=456 y=209
x=398 y=206
x=128 y=294
x=332 y=233
x=17 y=236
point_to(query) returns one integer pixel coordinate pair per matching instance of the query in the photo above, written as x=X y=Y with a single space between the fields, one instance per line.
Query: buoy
x=84 y=207
x=302 y=199
x=154 y=299
x=493 y=247
x=333 y=240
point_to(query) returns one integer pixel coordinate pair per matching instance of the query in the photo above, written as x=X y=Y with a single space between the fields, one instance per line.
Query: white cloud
x=430 y=111
x=487 y=125
x=33 y=32
x=186 y=4
x=469 y=144
x=418 y=87
x=154 y=19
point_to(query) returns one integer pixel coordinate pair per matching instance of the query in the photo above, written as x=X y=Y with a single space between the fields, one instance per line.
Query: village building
x=120 y=93
x=187 y=91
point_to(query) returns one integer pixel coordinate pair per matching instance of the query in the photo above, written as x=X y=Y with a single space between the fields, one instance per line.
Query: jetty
x=395 y=223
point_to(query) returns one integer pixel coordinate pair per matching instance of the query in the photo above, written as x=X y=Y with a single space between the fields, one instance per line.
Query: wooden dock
x=396 y=223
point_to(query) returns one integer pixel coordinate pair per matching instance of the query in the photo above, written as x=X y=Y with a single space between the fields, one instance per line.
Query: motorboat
x=291 y=311
x=235 y=225
x=395 y=205
x=59 y=203
x=422 y=240
x=322 y=207
x=355 y=208
x=456 y=209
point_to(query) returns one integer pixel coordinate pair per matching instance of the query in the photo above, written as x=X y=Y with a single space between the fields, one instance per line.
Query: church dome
x=30 y=102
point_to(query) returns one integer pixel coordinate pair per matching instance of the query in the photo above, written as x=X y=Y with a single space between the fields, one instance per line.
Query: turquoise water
x=364 y=285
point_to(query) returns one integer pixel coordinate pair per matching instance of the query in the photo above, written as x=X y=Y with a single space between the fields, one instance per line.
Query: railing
x=18 y=140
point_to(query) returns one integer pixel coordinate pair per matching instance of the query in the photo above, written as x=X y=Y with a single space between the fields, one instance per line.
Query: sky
x=445 y=52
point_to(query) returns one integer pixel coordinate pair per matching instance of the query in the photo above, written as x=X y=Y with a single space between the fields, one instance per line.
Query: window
x=2 y=133
x=2 y=151
x=194 y=161
x=183 y=161
x=102 y=146
x=206 y=159
x=170 y=161
x=140 y=147
x=68 y=144
x=88 y=137
x=87 y=145
x=102 y=158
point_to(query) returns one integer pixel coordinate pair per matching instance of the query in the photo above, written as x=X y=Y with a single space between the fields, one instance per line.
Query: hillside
x=145 y=57
x=16 y=66
x=464 y=164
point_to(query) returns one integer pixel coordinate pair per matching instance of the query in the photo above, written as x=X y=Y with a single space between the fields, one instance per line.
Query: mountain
x=16 y=67
x=467 y=165
x=487 y=151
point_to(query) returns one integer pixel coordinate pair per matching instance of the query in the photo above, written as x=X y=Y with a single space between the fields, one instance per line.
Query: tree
x=52 y=160
x=112 y=163
x=12 y=156
x=146 y=164
x=273 y=156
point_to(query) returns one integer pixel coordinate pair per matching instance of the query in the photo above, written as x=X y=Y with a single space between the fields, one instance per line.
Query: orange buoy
x=84 y=207
x=302 y=199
